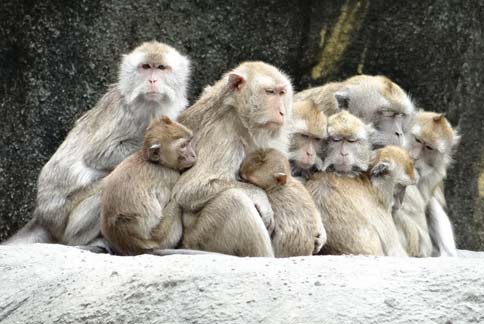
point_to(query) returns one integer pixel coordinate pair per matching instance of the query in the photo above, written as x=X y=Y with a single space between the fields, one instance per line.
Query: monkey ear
x=281 y=178
x=236 y=81
x=154 y=153
x=167 y=121
x=439 y=117
x=380 y=169
x=342 y=99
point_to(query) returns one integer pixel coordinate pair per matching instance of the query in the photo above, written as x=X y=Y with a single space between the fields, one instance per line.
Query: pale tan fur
x=222 y=214
x=432 y=143
x=298 y=228
x=356 y=211
x=136 y=211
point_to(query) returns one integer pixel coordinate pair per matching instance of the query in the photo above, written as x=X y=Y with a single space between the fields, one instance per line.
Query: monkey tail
x=165 y=252
x=32 y=232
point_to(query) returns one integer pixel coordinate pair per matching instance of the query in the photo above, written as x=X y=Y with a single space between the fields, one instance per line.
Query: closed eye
x=146 y=66
x=417 y=140
x=270 y=91
x=429 y=148
x=352 y=140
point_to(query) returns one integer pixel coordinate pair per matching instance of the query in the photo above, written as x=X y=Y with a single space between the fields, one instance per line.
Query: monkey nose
x=152 y=81
x=281 y=113
x=398 y=134
x=309 y=153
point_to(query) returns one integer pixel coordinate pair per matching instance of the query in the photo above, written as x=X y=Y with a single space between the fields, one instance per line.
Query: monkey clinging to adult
x=298 y=227
x=356 y=204
x=136 y=212
x=308 y=135
x=152 y=82
x=246 y=110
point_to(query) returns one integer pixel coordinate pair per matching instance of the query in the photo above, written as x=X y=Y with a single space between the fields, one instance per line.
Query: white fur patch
x=134 y=59
x=84 y=174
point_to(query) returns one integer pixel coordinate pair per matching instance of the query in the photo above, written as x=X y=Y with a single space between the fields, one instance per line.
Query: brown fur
x=136 y=211
x=298 y=228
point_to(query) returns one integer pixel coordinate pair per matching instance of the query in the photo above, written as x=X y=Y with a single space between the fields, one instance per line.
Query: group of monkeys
x=250 y=169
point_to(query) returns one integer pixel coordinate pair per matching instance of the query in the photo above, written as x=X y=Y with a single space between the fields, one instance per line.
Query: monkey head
x=169 y=143
x=262 y=95
x=265 y=168
x=378 y=100
x=432 y=141
x=348 y=148
x=309 y=130
x=153 y=72
x=394 y=165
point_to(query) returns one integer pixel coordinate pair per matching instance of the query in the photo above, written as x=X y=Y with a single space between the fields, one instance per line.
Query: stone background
x=58 y=57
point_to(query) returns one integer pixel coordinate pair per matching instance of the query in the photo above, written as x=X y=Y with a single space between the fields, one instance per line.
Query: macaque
x=298 y=228
x=373 y=99
x=247 y=109
x=357 y=193
x=137 y=215
x=432 y=143
x=349 y=145
x=308 y=136
x=152 y=82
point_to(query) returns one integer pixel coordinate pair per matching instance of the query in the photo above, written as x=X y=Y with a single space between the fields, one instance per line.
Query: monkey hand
x=319 y=241
x=267 y=216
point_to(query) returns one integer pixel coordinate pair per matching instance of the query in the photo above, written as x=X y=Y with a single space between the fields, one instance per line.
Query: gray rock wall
x=58 y=57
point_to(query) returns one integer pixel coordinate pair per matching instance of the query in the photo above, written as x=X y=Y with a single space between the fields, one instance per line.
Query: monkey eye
x=418 y=141
x=146 y=66
x=305 y=135
x=429 y=148
x=352 y=140
x=335 y=139
x=162 y=67
x=270 y=91
x=282 y=92
x=388 y=113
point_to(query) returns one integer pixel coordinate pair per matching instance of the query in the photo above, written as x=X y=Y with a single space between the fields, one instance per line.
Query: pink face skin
x=275 y=105
x=307 y=153
x=153 y=74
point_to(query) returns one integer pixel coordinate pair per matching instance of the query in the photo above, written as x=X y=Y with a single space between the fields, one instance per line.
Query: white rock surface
x=58 y=284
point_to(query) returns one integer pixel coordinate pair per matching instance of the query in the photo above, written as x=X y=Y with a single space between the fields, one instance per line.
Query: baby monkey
x=137 y=214
x=298 y=228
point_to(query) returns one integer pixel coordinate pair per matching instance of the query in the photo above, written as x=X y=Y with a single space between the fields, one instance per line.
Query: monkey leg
x=229 y=224
x=84 y=225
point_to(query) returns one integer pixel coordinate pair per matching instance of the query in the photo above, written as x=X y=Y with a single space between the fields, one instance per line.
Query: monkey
x=355 y=193
x=349 y=145
x=137 y=215
x=373 y=99
x=307 y=139
x=152 y=81
x=298 y=228
x=247 y=109
x=433 y=141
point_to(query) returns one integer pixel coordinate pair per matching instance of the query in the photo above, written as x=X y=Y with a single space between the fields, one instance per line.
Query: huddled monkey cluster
x=250 y=169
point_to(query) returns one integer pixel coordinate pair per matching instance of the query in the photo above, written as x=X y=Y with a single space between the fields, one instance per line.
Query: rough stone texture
x=58 y=57
x=58 y=284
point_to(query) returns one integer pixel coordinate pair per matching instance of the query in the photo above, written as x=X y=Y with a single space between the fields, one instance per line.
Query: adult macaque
x=356 y=205
x=298 y=228
x=432 y=143
x=373 y=99
x=308 y=135
x=136 y=211
x=152 y=82
x=247 y=109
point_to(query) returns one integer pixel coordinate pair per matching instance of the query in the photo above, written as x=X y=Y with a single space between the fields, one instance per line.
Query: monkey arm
x=169 y=231
x=105 y=153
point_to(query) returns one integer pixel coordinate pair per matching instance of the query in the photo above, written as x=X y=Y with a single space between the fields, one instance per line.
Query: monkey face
x=304 y=149
x=347 y=156
x=263 y=96
x=152 y=73
x=391 y=127
x=186 y=154
x=265 y=168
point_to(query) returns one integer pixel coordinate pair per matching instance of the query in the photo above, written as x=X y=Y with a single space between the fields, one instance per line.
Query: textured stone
x=58 y=284
x=56 y=61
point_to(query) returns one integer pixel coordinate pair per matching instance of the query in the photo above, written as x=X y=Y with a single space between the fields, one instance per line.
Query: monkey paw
x=267 y=216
